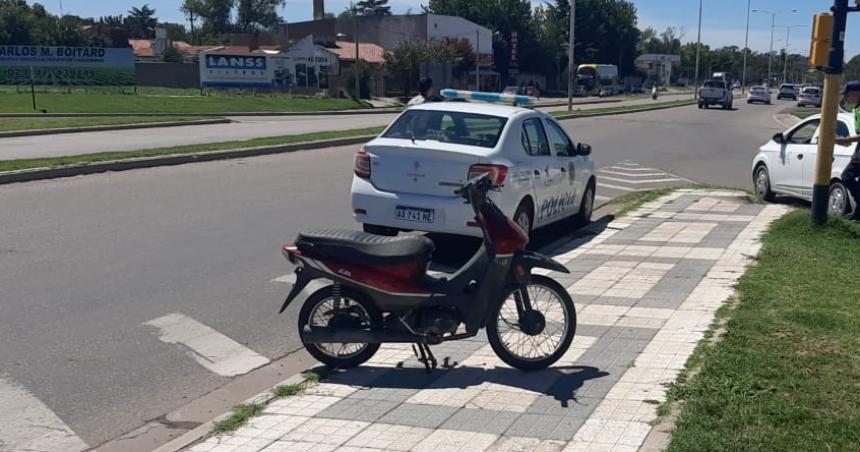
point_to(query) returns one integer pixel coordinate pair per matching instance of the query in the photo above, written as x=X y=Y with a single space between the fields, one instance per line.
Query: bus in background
x=598 y=79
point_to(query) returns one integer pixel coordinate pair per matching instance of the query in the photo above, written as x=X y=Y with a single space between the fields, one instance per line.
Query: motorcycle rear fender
x=303 y=278
x=528 y=260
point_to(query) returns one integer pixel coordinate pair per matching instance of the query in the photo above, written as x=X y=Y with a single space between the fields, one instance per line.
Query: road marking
x=619 y=173
x=629 y=169
x=209 y=348
x=647 y=181
x=27 y=424
x=614 y=187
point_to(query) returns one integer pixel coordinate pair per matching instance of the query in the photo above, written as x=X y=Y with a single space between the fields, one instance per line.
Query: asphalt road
x=86 y=261
x=243 y=128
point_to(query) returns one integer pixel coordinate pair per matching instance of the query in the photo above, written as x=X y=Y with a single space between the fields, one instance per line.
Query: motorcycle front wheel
x=340 y=308
x=534 y=341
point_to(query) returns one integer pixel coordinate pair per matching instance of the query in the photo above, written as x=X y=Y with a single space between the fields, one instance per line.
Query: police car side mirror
x=583 y=149
x=779 y=138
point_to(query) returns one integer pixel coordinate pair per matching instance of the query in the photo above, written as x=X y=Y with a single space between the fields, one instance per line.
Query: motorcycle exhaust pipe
x=319 y=335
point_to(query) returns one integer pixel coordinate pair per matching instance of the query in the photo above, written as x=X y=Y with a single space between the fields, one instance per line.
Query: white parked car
x=811 y=95
x=758 y=94
x=406 y=177
x=785 y=165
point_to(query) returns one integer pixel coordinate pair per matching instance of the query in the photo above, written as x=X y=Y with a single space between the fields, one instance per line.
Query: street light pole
x=571 y=75
x=787 y=49
x=478 y=60
x=746 y=49
x=698 y=49
x=772 y=27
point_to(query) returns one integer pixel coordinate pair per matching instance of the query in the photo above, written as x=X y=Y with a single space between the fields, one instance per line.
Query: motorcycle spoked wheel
x=524 y=346
x=348 y=309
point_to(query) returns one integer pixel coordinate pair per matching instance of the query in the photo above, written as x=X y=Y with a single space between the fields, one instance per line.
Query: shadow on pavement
x=452 y=251
x=560 y=383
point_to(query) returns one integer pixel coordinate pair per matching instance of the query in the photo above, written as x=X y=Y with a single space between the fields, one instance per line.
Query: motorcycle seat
x=363 y=248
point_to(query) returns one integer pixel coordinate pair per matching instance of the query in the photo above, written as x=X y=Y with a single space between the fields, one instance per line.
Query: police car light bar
x=487 y=97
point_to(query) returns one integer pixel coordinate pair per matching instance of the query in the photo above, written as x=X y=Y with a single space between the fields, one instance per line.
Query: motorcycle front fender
x=530 y=259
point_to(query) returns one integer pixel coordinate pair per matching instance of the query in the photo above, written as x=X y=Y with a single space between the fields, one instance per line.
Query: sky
x=723 y=21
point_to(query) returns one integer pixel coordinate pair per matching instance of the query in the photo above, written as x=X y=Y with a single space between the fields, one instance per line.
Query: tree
x=254 y=15
x=194 y=9
x=23 y=24
x=373 y=8
x=141 y=22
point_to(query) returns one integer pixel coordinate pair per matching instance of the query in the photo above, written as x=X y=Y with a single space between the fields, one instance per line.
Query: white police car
x=406 y=177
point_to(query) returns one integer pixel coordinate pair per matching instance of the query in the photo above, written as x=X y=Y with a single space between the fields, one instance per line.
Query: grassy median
x=785 y=376
x=166 y=101
x=50 y=162
x=17 y=124
x=622 y=109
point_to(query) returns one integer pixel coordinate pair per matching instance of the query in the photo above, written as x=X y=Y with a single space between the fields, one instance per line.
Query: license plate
x=414 y=214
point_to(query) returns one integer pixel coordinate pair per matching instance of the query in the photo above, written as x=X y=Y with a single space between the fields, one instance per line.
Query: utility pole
x=828 y=54
x=698 y=49
x=571 y=69
x=357 y=59
x=478 y=59
x=770 y=54
x=746 y=50
x=787 y=51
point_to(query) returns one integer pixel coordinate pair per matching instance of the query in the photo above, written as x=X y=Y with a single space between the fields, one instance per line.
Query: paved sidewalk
x=646 y=290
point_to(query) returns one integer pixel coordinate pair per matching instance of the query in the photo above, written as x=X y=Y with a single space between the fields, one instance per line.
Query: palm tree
x=141 y=22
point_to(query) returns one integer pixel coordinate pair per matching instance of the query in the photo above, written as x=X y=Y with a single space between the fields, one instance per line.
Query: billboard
x=303 y=66
x=54 y=65
x=292 y=70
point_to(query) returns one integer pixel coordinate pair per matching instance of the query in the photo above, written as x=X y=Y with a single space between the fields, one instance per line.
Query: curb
x=585 y=113
x=151 y=125
x=169 y=160
x=180 y=159
x=207 y=428
x=368 y=111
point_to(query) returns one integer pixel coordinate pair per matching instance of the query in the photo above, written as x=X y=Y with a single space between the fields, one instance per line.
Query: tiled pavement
x=646 y=289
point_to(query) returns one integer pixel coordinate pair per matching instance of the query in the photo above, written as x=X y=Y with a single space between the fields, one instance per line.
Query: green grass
x=637 y=199
x=123 y=100
x=15 y=124
x=785 y=376
x=622 y=109
x=239 y=417
x=49 y=162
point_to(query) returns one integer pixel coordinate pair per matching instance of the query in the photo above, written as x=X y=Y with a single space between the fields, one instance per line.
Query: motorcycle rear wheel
x=526 y=351
x=319 y=310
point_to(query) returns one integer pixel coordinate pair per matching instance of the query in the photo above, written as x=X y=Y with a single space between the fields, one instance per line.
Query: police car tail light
x=362 y=164
x=497 y=172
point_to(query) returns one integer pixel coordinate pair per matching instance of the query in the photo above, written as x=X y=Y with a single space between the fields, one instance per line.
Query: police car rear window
x=469 y=129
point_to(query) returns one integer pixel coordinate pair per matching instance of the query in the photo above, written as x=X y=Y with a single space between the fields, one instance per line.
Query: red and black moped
x=380 y=292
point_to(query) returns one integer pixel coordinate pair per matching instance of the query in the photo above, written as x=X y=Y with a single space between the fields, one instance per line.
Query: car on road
x=809 y=96
x=785 y=165
x=406 y=177
x=787 y=91
x=512 y=90
x=715 y=92
x=758 y=94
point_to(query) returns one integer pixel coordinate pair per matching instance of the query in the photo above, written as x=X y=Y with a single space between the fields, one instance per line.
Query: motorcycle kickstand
x=426 y=356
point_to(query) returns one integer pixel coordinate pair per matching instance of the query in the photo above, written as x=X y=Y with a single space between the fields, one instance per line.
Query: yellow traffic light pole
x=828 y=35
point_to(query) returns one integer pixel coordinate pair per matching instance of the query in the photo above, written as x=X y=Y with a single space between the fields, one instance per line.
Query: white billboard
x=300 y=67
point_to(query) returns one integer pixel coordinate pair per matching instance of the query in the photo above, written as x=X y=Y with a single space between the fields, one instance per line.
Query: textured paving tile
x=646 y=289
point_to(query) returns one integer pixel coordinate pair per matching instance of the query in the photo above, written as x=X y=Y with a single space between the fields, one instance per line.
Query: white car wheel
x=837 y=201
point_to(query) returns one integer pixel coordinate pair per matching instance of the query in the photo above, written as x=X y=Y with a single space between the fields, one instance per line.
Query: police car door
x=570 y=166
x=541 y=162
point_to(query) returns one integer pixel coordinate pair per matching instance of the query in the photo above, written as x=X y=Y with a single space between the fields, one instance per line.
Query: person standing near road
x=851 y=175
x=425 y=92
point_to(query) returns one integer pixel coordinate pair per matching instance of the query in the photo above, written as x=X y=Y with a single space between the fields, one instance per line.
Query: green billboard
x=46 y=65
